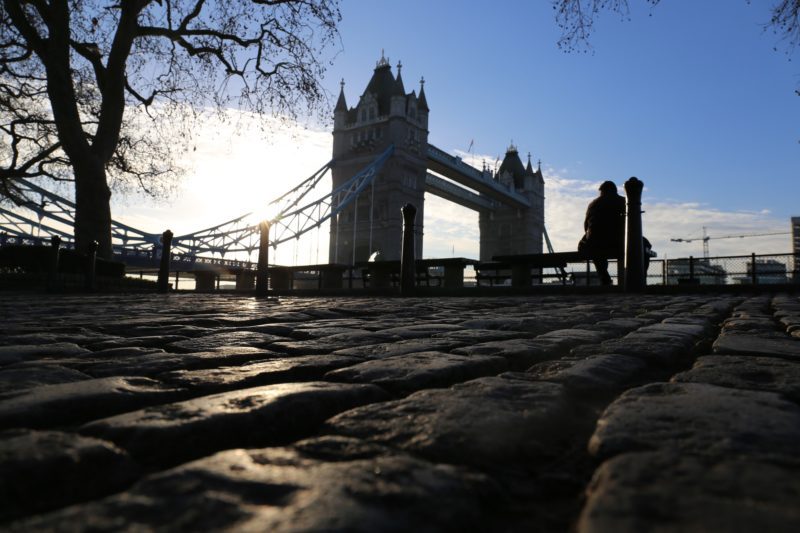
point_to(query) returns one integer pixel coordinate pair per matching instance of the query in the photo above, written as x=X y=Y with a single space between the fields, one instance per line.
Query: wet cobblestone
x=543 y=413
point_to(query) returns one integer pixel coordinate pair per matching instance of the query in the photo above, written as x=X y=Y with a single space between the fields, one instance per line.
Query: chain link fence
x=772 y=269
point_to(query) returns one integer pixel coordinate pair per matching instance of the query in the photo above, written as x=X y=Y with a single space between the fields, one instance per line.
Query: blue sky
x=689 y=96
x=693 y=99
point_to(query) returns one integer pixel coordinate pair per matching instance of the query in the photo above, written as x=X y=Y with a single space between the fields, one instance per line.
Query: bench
x=382 y=274
x=522 y=264
x=326 y=276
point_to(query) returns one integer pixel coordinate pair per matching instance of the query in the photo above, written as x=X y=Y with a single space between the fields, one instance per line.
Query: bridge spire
x=383 y=61
x=341 y=103
x=422 y=102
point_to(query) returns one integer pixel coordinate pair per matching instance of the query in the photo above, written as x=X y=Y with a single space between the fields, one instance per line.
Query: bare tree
x=91 y=91
x=576 y=19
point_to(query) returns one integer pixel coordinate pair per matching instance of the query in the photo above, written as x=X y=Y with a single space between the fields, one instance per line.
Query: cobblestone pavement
x=589 y=413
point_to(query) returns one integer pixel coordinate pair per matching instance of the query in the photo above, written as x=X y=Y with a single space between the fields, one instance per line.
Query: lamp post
x=262 y=273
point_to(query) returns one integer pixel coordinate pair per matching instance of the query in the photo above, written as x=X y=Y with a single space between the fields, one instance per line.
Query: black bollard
x=162 y=286
x=55 y=251
x=634 y=257
x=262 y=273
x=91 y=266
x=407 y=259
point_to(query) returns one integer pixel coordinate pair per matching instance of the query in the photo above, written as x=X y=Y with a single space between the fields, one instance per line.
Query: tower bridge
x=381 y=161
x=510 y=202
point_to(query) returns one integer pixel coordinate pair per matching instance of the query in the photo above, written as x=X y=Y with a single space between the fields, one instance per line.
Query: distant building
x=767 y=271
x=700 y=271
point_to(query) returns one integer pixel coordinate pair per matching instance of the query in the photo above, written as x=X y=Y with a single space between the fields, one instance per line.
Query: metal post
x=55 y=244
x=753 y=273
x=162 y=285
x=177 y=277
x=336 y=241
x=355 y=228
x=371 y=208
x=262 y=273
x=664 y=271
x=588 y=271
x=691 y=269
x=91 y=259
x=634 y=256
x=407 y=260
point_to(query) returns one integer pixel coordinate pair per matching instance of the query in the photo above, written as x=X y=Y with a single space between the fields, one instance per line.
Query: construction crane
x=705 y=238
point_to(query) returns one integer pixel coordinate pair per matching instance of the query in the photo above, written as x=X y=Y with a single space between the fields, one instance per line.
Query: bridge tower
x=507 y=230
x=385 y=115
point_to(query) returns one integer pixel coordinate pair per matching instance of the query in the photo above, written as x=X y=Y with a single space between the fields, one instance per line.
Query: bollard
x=163 y=270
x=634 y=256
x=262 y=274
x=55 y=251
x=91 y=267
x=407 y=259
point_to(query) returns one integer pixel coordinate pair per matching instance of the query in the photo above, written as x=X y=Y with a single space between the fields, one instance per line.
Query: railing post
x=634 y=256
x=90 y=269
x=262 y=272
x=55 y=252
x=407 y=259
x=162 y=285
x=753 y=275
x=691 y=269
x=664 y=272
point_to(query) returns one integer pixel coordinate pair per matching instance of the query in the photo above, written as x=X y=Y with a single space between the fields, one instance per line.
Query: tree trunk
x=92 y=207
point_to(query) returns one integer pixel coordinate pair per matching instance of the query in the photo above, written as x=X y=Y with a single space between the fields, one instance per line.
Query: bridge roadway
x=586 y=413
x=455 y=169
x=144 y=260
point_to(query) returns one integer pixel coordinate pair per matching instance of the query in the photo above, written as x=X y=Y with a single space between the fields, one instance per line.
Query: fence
x=724 y=270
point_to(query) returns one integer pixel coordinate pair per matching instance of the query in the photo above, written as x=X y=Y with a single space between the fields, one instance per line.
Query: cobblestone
x=552 y=413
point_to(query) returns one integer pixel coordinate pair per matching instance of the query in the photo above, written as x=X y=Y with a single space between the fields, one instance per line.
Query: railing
x=724 y=270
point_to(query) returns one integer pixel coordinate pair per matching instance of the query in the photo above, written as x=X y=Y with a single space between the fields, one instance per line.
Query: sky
x=696 y=99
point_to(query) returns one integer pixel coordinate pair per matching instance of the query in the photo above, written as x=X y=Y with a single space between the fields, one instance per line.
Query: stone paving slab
x=65 y=404
x=571 y=387
x=44 y=470
x=401 y=347
x=770 y=374
x=598 y=375
x=776 y=345
x=18 y=378
x=271 y=414
x=412 y=372
x=253 y=374
x=482 y=422
x=328 y=484
x=699 y=419
x=663 y=491
x=19 y=353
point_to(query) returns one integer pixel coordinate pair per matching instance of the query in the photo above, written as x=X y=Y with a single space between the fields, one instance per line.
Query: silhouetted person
x=604 y=228
x=648 y=252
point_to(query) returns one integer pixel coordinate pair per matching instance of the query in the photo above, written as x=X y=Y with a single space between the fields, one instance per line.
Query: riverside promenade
x=599 y=412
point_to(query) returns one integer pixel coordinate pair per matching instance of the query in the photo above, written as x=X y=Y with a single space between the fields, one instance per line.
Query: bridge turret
x=508 y=230
x=385 y=115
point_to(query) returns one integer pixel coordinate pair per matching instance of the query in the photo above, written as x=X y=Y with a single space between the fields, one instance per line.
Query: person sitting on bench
x=604 y=228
